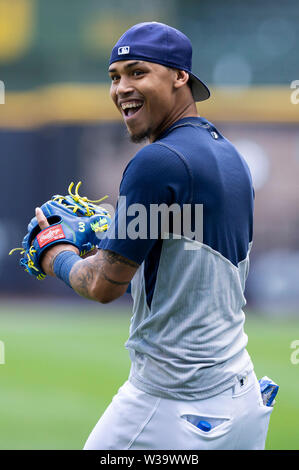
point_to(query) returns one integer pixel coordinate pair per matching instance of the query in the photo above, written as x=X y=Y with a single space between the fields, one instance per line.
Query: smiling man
x=151 y=97
x=192 y=384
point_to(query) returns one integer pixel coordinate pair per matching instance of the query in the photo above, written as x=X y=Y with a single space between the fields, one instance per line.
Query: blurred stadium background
x=64 y=357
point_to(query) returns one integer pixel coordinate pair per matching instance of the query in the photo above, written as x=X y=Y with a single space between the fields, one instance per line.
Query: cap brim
x=200 y=91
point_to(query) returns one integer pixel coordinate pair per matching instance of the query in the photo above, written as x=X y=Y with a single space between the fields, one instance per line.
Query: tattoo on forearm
x=83 y=274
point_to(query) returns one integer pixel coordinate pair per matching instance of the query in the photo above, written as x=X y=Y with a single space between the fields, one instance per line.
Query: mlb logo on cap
x=123 y=50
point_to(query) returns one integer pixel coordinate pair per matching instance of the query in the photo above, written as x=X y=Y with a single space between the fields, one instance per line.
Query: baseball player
x=192 y=383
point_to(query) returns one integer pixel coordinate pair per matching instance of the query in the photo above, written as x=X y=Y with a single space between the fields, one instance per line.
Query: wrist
x=49 y=256
x=63 y=263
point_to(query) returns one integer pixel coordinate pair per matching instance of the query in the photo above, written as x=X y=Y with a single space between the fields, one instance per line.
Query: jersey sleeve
x=156 y=175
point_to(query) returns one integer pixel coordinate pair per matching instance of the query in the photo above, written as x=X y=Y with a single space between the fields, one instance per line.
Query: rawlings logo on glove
x=49 y=235
x=73 y=219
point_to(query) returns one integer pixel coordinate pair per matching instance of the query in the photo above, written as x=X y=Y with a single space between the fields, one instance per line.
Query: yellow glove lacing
x=30 y=261
x=84 y=201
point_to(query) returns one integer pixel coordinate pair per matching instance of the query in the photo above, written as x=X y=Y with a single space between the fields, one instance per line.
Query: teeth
x=131 y=105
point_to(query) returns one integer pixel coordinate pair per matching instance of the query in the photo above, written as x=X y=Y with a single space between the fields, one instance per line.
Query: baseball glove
x=73 y=219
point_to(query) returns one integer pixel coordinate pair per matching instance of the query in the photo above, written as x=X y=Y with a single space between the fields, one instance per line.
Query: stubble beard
x=141 y=137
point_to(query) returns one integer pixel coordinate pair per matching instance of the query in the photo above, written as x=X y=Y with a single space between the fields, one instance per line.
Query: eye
x=114 y=78
x=137 y=73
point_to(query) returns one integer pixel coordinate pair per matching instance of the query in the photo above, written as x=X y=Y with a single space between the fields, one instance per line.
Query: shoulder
x=156 y=174
x=155 y=162
x=155 y=154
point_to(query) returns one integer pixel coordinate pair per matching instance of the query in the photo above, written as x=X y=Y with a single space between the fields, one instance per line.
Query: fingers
x=41 y=219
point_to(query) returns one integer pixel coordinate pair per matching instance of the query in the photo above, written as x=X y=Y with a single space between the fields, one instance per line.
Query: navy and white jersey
x=187 y=338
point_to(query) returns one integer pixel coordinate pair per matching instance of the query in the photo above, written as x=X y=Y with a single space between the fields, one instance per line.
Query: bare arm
x=103 y=277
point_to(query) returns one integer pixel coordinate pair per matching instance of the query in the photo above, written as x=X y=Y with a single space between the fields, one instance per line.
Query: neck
x=189 y=110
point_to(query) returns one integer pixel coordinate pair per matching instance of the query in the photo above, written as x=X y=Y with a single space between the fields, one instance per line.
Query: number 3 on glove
x=62 y=213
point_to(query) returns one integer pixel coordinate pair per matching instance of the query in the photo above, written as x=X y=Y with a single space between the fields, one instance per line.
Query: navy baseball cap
x=161 y=44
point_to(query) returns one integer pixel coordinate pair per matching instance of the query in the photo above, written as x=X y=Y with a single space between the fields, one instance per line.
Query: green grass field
x=62 y=367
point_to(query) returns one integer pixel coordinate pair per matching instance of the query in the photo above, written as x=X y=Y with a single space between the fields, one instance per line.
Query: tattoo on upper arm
x=117 y=283
x=113 y=258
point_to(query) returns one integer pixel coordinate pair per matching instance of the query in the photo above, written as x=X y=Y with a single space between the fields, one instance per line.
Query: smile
x=130 y=108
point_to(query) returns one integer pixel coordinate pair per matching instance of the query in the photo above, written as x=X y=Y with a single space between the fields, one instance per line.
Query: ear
x=181 y=78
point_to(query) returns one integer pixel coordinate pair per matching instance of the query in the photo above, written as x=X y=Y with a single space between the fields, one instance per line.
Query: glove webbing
x=83 y=201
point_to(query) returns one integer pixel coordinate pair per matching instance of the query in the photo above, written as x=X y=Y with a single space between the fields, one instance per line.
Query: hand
x=50 y=254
